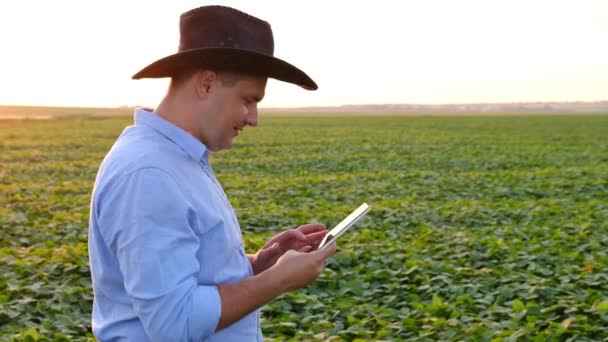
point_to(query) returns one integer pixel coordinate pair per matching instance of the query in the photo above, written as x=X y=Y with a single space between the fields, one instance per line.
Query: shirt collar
x=196 y=149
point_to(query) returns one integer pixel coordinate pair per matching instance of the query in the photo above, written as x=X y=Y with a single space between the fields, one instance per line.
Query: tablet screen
x=348 y=222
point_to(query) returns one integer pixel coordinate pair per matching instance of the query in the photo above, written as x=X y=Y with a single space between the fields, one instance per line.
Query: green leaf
x=437 y=301
x=31 y=335
x=602 y=306
x=518 y=306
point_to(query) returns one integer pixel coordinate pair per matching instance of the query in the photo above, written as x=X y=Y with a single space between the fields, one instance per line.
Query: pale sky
x=83 y=53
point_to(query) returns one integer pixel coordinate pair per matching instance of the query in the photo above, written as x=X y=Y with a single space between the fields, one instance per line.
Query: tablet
x=343 y=226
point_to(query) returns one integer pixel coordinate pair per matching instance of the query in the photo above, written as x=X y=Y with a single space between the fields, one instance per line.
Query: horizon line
x=334 y=106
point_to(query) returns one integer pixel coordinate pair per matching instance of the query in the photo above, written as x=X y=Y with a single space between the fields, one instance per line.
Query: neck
x=174 y=109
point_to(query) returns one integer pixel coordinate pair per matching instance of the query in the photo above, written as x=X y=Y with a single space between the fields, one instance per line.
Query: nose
x=252 y=116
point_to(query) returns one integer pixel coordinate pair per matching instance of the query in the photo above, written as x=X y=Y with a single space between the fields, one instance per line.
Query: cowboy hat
x=224 y=38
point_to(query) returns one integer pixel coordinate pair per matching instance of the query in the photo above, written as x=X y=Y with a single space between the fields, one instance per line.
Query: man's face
x=231 y=106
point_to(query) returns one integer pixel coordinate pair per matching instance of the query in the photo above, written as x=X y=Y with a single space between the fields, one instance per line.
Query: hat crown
x=224 y=27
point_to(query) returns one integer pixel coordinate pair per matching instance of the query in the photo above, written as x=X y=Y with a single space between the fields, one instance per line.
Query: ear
x=204 y=82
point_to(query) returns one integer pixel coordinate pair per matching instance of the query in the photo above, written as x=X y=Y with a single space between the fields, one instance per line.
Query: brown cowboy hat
x=224 y=38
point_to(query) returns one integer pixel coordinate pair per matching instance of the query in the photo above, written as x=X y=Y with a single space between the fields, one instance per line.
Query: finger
x=288 y=235
x=311 y=228
x=271 y=251
x=317 y=243
x=305 y=249
x=311 y=240
x=315 y=237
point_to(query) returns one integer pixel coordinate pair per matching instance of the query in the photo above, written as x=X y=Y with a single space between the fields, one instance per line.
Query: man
x=166 y=250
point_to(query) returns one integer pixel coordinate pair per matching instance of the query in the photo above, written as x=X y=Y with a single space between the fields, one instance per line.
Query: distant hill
x=41 y=113
x=515 y=107
x=30 y=112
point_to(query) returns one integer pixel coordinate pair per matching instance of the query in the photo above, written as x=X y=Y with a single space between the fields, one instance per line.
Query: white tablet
x=343 y=226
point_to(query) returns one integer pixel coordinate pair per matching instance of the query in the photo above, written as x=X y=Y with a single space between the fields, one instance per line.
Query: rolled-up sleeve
x=150 y=228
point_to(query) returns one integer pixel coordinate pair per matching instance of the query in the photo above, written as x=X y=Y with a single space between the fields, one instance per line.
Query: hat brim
x=232 y=59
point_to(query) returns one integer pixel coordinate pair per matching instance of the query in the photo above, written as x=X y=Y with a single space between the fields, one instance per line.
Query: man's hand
x=291 y=271
x=303 y=239
x=295 y=270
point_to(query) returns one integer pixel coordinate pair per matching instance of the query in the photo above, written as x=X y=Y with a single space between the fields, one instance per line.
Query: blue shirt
x=162 y=235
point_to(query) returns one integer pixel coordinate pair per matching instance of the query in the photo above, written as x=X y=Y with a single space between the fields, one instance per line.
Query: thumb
x=326 y=252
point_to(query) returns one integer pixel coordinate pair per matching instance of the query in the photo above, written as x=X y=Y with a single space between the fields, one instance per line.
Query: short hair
x=226 y=78
x=229 y=78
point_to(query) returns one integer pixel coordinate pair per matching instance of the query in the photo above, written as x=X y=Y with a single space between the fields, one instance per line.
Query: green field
x=482 y=228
